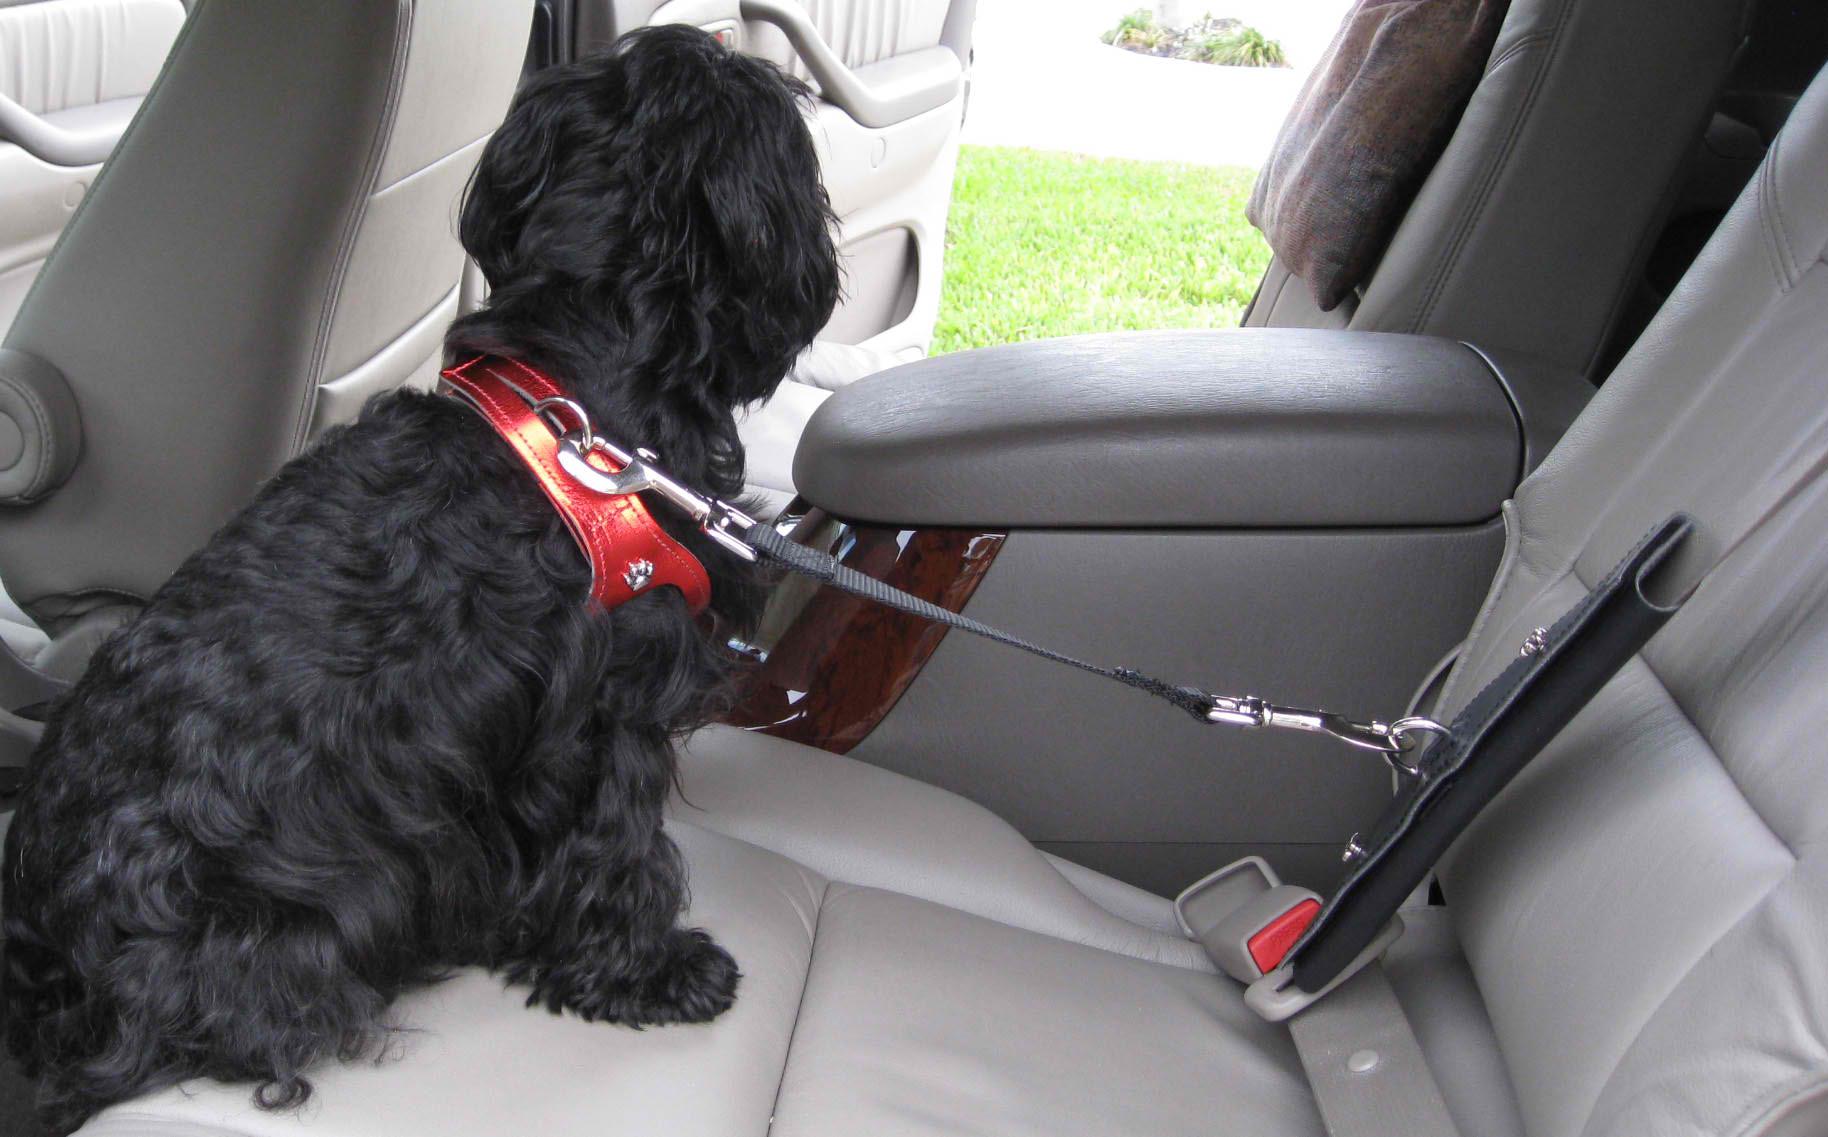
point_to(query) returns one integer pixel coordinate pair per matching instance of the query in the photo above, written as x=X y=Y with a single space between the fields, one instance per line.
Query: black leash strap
x=826 y=568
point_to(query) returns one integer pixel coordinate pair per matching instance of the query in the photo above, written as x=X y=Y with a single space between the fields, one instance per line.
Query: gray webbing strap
x=1366 y=1068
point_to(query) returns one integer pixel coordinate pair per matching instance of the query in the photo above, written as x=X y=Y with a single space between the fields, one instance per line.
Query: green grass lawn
x=1044 y=244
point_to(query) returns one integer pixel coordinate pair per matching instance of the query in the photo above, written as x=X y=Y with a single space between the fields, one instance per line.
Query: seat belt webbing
x=1368 y=1073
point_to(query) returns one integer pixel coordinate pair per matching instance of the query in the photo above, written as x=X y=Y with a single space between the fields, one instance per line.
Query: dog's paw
x=695 y=985
x=694 y=981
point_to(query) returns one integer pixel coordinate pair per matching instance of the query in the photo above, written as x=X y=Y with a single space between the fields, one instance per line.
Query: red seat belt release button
x=1272 y=942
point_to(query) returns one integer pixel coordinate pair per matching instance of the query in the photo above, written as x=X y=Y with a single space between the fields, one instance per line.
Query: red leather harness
x=629 y=553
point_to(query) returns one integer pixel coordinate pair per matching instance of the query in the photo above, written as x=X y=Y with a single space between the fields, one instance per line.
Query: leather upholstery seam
x=82 y=593
x=1771 y=221
x=448 y=156
x=1507 y=564
x=1774 y=1106
x=1524 y=43
x=1469 y=224
x=449 y=297
x=799 y=1008
x=1676 y=983
x=352 y=224
x=1675 y=701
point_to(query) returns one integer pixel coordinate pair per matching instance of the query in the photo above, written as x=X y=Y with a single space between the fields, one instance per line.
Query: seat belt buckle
x=1248 y=921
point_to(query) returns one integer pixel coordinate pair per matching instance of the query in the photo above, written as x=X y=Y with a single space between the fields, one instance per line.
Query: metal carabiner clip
x=639 y=472
x=1388 y=739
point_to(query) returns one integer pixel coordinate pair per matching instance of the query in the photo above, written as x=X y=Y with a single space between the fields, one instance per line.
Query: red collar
x=629 y=553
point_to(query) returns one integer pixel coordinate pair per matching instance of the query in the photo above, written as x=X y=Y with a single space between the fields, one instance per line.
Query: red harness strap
x=629 y=553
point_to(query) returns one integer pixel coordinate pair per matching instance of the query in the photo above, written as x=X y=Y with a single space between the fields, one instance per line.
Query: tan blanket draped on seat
x=1367 y=127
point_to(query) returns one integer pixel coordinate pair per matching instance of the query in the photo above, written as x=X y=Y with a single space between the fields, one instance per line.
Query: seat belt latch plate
x=1245 y=917
x=1248 y=920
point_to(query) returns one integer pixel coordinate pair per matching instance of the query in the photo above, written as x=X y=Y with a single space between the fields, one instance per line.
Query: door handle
x=895 y=89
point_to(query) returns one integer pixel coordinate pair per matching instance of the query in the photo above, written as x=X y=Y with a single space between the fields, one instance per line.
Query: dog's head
x=652 y=224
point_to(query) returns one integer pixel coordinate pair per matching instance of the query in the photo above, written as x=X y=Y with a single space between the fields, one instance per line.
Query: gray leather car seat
x=1635 y=939
x=1527 y=233
x=272 y=243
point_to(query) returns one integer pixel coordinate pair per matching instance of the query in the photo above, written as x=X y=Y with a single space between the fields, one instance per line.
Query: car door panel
x=72 y=73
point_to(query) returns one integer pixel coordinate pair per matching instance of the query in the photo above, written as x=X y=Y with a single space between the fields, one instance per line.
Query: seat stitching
x=1507 y=563
x=1676 y=984
x=1771 y=221
x=421 y=318
x=1482 y=198
x=1524 y=43
x=352 y=224
x=450 y=155
x=1759 y=1115
x=793 y=1033
x=1675 y=701
x=1751 y=908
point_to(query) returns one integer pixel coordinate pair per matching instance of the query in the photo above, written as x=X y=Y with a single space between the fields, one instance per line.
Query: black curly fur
x=373 y=731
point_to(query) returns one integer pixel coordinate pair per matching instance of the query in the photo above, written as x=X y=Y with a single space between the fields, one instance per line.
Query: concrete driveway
x=1043 y=80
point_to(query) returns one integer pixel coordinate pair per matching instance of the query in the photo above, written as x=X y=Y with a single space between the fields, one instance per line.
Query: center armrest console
x=1228 y=429
x=1308 y=516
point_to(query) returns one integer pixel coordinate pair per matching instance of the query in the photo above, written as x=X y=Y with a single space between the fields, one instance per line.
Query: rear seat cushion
x=858 y=823
x=860 y=1011
x=911 y=966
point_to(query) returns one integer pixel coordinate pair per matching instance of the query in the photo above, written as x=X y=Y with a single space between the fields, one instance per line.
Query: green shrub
x=1212 y=39
x=1137 y=31
x=1243 y=47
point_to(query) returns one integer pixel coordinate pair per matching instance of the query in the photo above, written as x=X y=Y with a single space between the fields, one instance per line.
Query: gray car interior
x=1530 y=232
x=311 y=280
x=1276 y=504
x=1527 y=233
x=1632 y=936
x=963 y=925
x=77 y=70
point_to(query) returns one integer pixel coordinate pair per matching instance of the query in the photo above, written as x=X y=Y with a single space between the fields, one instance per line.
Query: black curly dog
x=374 y=730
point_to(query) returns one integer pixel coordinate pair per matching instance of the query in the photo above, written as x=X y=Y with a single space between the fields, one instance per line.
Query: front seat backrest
x=1526 y=232
x=272 y=242
x=1646 y=908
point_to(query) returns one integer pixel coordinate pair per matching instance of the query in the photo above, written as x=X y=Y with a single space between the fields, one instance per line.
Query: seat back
x=1646 y=908
x=1527 y=231
x=272 y=243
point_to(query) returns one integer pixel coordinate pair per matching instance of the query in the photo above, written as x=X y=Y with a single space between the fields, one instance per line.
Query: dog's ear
x=735 y=225
x=517 y=165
